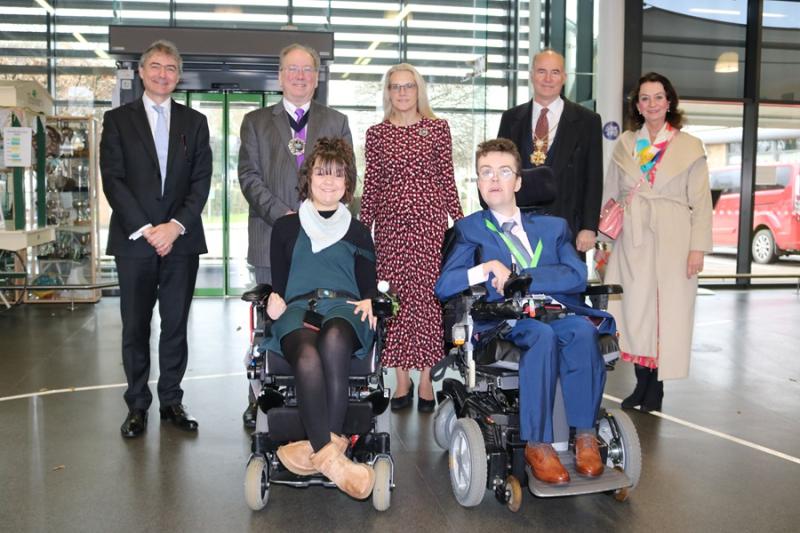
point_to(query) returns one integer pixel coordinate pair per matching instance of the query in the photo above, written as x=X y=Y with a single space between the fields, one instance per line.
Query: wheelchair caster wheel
x=381 y=493
x=256 y=483
x=513 y=491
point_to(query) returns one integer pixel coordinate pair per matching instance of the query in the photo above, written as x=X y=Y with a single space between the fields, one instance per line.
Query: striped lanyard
x=514 y=251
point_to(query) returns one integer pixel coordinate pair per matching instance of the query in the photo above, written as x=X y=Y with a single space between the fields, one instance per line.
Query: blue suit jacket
x=560 y=272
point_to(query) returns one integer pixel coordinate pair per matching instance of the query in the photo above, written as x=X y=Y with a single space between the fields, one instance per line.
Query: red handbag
x=611 y=216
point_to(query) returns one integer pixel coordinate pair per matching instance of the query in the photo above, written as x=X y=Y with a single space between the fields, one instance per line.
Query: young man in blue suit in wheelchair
x=566 y=348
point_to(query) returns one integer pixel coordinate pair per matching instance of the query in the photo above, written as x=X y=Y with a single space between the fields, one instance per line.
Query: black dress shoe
x=249 y=416
x=135 y=423
x=177 y=415
x=403 y=402
x=426 y=406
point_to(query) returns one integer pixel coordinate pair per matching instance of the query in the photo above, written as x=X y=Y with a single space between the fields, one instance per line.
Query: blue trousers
x=567 y=349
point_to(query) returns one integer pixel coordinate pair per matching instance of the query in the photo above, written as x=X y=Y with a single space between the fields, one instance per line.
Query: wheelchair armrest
x=382 y=306
x=258 y=293
x=597 y=290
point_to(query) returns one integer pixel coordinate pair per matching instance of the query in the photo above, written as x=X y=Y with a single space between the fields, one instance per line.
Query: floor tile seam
x=109 y=386
x=718 y=434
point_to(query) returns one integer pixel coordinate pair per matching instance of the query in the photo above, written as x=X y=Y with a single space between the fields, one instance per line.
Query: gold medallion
x=538 y=158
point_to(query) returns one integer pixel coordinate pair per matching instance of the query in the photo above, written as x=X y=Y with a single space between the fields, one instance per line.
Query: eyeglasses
x=397 y=87
x=158 y=67
x=335 y=172
x=296 y=70
x=502 y=173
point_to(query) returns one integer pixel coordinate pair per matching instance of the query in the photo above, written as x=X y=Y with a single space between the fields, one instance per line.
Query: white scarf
x=323 y=232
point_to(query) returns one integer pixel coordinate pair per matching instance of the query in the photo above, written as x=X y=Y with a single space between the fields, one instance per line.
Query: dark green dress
x=331 y=268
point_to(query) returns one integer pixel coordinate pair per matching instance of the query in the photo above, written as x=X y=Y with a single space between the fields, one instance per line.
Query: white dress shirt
x=554 y=111
x=476 y=275
x=152 y=119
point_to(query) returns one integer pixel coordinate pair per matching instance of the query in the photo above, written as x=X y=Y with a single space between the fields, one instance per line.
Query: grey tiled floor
x=64 y=467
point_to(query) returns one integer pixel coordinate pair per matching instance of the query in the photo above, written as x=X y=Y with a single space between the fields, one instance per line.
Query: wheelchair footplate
x=610 y=480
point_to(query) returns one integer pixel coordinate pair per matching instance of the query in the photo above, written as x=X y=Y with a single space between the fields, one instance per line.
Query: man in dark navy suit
x=541 y=246
x=550 y=130
x=155 y=161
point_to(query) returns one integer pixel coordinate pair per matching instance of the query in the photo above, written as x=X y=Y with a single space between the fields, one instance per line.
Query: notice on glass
x=17 y=146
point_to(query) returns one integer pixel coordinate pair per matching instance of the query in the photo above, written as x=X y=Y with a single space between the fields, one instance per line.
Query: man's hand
x=500 y=271
x=162 y=236
x=585 y=240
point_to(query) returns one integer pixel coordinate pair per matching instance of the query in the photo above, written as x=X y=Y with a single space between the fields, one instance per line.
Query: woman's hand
x=364 y=307
x=694 y=263
x=500 y=271
x=275 y=306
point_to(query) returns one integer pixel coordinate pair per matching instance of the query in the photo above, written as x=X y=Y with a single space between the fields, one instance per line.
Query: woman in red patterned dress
x=409 y=192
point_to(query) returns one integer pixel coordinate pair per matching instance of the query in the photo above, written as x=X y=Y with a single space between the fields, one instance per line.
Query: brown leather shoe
x=587 y=455
x=545 y=464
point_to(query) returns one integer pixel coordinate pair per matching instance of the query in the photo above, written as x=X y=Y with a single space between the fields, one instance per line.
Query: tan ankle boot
x=353 y=479
x=296 y=456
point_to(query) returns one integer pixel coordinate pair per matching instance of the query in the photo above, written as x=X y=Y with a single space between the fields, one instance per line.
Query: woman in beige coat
x=662 y=172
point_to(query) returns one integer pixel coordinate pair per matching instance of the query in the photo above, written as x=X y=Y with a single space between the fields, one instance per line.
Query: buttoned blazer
x=131 y=177
x=268 y=170
x=576 y=157
x=560 y=273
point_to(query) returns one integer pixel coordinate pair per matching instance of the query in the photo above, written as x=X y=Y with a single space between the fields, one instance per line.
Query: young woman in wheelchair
x=323 y=277
x=565 y=348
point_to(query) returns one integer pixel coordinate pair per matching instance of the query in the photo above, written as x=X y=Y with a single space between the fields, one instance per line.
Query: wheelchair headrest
x=538 y=188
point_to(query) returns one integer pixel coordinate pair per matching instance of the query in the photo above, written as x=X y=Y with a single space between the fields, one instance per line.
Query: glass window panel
x=776 y=215
x=700 y=49
x=780 y=52
x=719 y=126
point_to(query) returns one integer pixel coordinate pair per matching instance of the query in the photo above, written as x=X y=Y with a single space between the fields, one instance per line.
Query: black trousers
x=169 y=280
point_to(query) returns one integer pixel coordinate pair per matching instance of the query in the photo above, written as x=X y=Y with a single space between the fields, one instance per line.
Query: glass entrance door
x=224 y=270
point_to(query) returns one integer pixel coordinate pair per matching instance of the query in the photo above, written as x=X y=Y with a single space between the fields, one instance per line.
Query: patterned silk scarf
x=648 y=154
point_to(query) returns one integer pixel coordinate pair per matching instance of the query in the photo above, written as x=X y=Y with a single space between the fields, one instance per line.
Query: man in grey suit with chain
x=273 y=141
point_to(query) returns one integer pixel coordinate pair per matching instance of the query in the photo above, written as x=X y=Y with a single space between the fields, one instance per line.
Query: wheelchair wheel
x=443 y=422
x=624 y=449
x=256 y=483
x=382 y=492
x=468 y=462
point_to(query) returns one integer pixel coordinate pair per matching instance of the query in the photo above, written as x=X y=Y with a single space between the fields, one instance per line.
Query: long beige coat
x=655 y=313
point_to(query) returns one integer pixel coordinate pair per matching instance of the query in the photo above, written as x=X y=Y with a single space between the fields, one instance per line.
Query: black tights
x=321 y=365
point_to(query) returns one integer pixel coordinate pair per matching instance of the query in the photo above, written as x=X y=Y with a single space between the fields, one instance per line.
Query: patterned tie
x=300 y=134
x=162 y=143
x=508 y=226
x=542 y=128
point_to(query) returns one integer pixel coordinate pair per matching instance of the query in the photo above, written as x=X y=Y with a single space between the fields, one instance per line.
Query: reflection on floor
x=64 y=466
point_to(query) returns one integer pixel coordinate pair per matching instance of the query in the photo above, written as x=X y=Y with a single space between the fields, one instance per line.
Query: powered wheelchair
x=367 y=422
x=477 y=418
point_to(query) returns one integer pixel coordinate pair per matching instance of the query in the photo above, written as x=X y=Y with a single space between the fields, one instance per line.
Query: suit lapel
x=281 y=118
x=315 y=121
x=503 y=251
x=523 y=133
x=177 y=140
x=142 y=127
x=565 y=139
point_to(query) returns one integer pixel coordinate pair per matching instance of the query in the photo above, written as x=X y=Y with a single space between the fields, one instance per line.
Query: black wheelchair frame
x=477 y=420
x=367 y=422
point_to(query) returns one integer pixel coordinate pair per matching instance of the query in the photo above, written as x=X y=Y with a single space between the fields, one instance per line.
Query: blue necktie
x=162 y=143
x=507 y=227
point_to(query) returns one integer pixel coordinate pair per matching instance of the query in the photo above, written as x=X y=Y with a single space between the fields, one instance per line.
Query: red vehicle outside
x=776 y=218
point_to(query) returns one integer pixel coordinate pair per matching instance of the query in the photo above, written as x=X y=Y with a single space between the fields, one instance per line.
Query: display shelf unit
x=72 y=209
